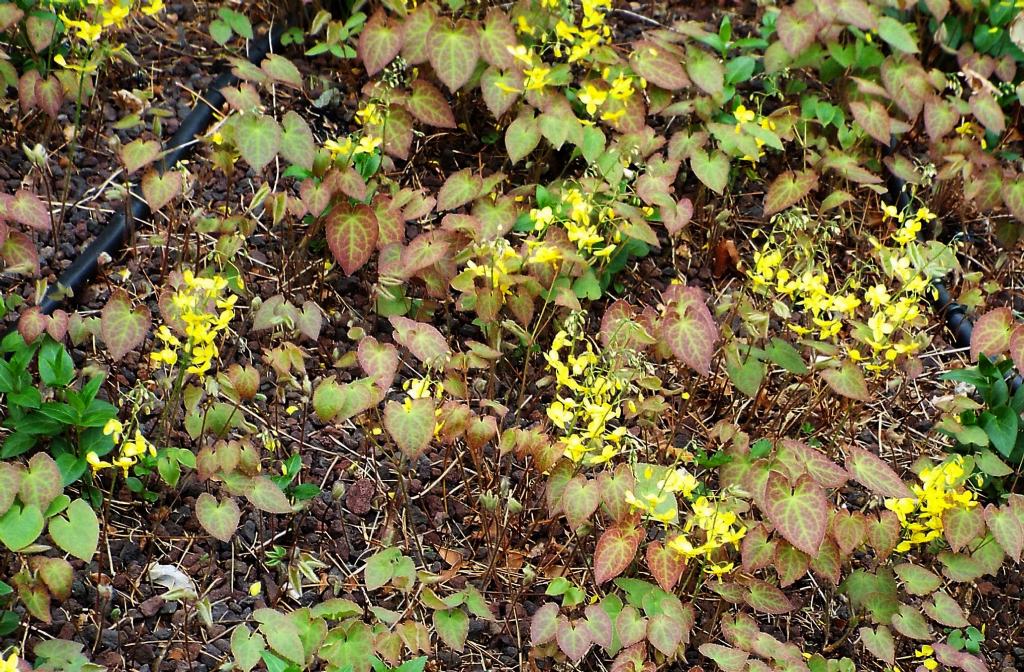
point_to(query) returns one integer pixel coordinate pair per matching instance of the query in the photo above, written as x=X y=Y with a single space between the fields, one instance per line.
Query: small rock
x=152 y=606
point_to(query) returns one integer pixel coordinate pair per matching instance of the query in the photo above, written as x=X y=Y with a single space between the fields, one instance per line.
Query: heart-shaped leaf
x=799 y=511
x=411 y=425
x=352 y=235
x=429 y=106
x=453 y=51
x=874 y=474
x=282 y=70
x=28 y=209
x=910 y=623
x=452 y=627
x=615 y=551
x=945 y=610
x=10 y=482
x=991 y=335
x=573 y=639
x=630 y=626
x=879 y=643
x=41 y=483
x=1002 y=522
x=689 y=330
x=258 y=137
x=422 y=340
x=580 y=499
x=79 y=533
x=159 y=190
x=707 y=72
x=766 y=598
x=788 y=189
x=378 y=360
x=20 y=254
x=917 y=580
x=21 y=526
x=139 y=153
x=847 y=381
x=665 y=565
x=122 y=328
x=665 y=633
x=726 y=657
x=962 y=526
x=297 y=144
x=460 y=188
x=379 y=43
x=522 y=137
x=874 y=119
x=660 y=65
x=544 y=624
x=711 y=169
x=220 y=519
x=266 y=496
x=57 y=575
x=497 y=38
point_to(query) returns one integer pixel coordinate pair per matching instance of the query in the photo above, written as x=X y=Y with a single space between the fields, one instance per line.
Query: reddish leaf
x=665 y=565
x=1007 y=529
x=379 y=43
x=28 y=209
x=689 y=329
x=460 y=188
x=876 y=475
x=579 y=501
x=19 y=254
x=429 y=105
x=991 y=335
x=453 y=51
x=159 y=189
x=544 y=624
x=573 y=638
x=962 y=526
x=767 y=599
x=496 y=37
x=423 y=340
x=615 y=551
x=799 y=511
x=788 y=189
x=122 y=328
x=352 y=235
x=847 y=381
x=849 y=530
x=659 y=65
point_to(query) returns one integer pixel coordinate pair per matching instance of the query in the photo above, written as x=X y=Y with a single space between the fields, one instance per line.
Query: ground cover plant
x=533 y=335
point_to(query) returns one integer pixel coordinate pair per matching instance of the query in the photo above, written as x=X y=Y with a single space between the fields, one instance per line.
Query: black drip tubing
x=114 y=234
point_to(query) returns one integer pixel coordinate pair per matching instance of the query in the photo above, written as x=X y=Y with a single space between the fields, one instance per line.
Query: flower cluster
x=653 y=503
x=718 y=526
x=879 y=302
x=942 y=488
x=106 y=14
x=204 y=309
x=587 y=403
x=744 y=116
x=594 y=228
x=130 y=450
x=573 y=37
x=371 y=117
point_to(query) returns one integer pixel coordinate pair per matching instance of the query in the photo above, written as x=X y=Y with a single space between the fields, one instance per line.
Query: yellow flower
x=592 y=98
x=743 y=115
x=11 y=664
x=113 y=429
x=255 y=588
x=85 y=31
x=95 y=462
x=368 y=144
x=154 y=7
x=719 y=568
x=87 y=67
x=536 y=77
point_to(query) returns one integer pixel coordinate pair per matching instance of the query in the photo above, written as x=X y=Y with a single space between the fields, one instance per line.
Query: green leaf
x=265 y=495
x=159 y=190
x=21 y=526
x=875 y=474
x=799 y=511
x=726 y=657
x=615 y=551
x=57 y=575
x=460 y=188
x=910 y=623
x=788 y=189
x=428 y=105
x=220 y=31
x=122 y=328
x=79 y=533
x=352 y=235
x=745 y=374
x=411 y=425
x=41 y=482
x=33 y=594
x=689 y=330
x=452 y=627
x=139 y=153
x=962 y=526
x=580 y=500
x=711 y=169
x=1001 y=424
x=706 y=71
x=1013 y=196
x=522 y=136
x=379 y=43
x=220 y=519
x=297 y=144
x=282 y=70
x=380 y=568
x=281 y=634
x=247 y=647
x=258 y=137
x=916 y=579
x=496 y=37
x=847 y=381
x=897 y=34
x=453 y=52
x=945 y=610
x=880 y=643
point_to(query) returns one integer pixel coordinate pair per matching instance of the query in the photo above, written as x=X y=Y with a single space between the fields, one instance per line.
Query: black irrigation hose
x=114 y=234
x=955 y=314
